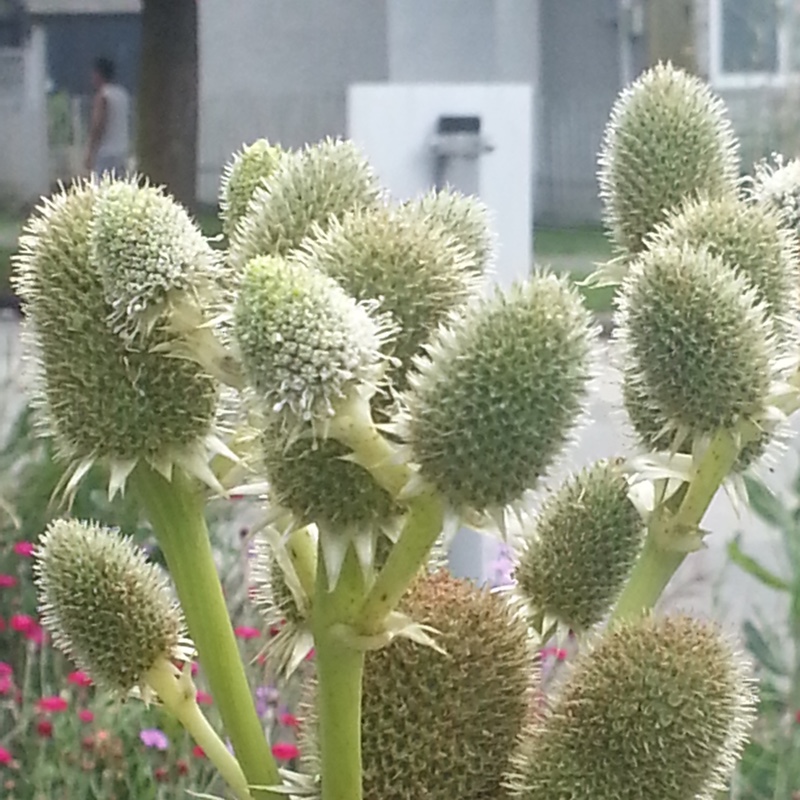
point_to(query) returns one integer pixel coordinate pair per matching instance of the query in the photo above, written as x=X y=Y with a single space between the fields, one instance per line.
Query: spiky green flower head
x=464 y=217
x=107 y=607
x=668 y=139
x=97 y=396
x=576 y=558
x=396 y=256
x=659 y=708
x=304 y=342
x=445 y=726
x=248 y=170
x=319 y=183
x=500 y=394
x=776 y=186
x=752 y=241
x=698 y=344
x=150 y=256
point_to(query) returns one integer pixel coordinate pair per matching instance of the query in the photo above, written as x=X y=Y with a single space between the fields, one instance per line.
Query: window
x=754 y=42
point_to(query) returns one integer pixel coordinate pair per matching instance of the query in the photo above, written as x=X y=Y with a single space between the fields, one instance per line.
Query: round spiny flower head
x=315 y=185
x=668 y=138
x=576 y=559
x=247 y=171
x=108 y=608
x=698 y=344
x=303 y=341
x=148 y=253
x=463 y=217
x=660 y=708
x=495 y=403
x=465 y=709
x=748 y=238
x=100 y=398
x=776 y=186
x=416 y=271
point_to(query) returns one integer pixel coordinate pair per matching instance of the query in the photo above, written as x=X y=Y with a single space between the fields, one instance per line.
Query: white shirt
x=116 y=136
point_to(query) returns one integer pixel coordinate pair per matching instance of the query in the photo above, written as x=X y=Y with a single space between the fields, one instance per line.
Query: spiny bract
x=320 y=182
x=303 y=341
x=248 y=170
x=502 y=390
x=445 y=726
x=108 y=608
x=99 y=397
x=668 y=139
x=659 y=709
x=578 y=555
x=698 y=343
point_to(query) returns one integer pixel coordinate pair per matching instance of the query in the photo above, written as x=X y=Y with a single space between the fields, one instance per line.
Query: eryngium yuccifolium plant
x=416 y=270
x=576 y=558
x=500 y=393
x=98 y=397
x=660 y=708
x=248 y=170
x=149 y=254
x=748 y=238
x=108 y=609
x=445 y=726
x=699 y=346
x=668 y=139
x=319 y=183
x=303 y=341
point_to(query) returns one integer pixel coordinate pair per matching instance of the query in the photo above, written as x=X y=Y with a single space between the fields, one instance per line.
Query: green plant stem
x=422 y=526
x=179 y=696
x=339 y=673
x=175 y=509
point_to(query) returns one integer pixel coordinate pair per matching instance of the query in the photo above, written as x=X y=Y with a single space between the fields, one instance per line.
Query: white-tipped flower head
x=668 y=138
x=463 y=217
x=248 y=170
x=321 y=182
x=99 y=397
x=500 y=394
x=698 y=344
x=149 y=254
x=107 y=607
x=660 y=708
x=578 y=555
x=304 y=342
x=751 y=240
x=776 y=186
x=415 y=270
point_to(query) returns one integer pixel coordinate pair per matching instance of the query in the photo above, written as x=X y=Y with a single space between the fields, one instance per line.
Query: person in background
x=109 y=131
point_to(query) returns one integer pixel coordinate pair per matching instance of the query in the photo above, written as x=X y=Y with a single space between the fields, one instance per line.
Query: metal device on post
x=457 y=146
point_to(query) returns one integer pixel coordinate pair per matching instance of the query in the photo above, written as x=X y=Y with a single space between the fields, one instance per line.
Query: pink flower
x=84 y=715
x=204 y=698
x=24 y=549
x=5 y=669
x=198 y=751
x=22 y=623
x=246 y=632
x=195 y=668
x=44 y=728
x=154 y=737
x=35 y=634
x=5 y=756
x=288 y=720
x=7 y=581
x=79 y=678
x=285 y=751
x=53 y=704
x=5 y=684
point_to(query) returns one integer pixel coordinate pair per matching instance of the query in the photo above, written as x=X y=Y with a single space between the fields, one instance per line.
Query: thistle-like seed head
x=776 y=186
x=577 y=557
x=303 y=341
x=99 y=397
x=148 y=253
x=248 y=170
x=698 y=344
x=660 y=708
x=752 y=241
x=319 y=183
x=668 y=139
x=107 y=608
x=502 y=390
x=445 y=726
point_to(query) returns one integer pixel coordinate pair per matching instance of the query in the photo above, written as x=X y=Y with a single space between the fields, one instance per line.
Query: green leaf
x=752 y=567
x=765 y=504
x=759 y=647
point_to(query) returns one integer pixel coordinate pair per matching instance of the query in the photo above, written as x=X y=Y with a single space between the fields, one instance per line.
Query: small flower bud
x=108 y=609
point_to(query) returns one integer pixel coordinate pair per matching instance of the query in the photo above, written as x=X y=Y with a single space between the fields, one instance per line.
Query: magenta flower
x=24 y=549
x=285 y=751
x=246 y=632
x=7 y=581
x=153 y=737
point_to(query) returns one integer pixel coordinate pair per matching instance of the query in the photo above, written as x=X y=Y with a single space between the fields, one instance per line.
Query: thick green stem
x=179 y=696
x=175 y=510
x=423 y=525
x=339 y=673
